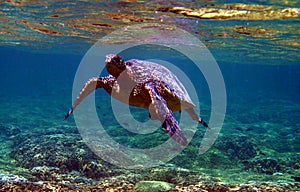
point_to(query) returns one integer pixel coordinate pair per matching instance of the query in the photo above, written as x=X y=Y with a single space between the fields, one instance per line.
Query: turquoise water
x=260 y=137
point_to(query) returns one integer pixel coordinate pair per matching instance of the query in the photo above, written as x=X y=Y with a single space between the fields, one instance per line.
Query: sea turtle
x=144 y=84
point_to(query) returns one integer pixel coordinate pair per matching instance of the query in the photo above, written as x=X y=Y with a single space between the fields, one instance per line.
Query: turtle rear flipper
x=158 y=109
x=195 y=117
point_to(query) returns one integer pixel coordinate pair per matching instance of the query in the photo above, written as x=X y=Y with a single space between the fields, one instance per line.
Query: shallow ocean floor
x=40 y=151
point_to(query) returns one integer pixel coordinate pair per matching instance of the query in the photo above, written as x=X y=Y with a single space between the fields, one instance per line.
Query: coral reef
x=58 y=153
x=271 y=166
x=9 y=131
x=238 y=147
x=57 y=161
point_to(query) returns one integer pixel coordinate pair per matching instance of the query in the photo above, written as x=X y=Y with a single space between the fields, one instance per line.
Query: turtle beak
x=108 y=58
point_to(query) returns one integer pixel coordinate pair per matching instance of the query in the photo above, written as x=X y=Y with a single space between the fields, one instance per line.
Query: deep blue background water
x=26 y=74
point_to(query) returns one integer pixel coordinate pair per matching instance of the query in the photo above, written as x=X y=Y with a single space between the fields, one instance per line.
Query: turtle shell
x=171 y=89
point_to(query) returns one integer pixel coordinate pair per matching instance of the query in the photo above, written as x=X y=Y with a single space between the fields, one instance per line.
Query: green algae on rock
x=152 y=186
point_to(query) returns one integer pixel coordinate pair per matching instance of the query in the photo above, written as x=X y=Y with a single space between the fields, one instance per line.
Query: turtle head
x=114 y=64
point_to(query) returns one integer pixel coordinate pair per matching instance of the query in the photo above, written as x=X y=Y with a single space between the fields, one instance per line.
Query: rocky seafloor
x=57 y=159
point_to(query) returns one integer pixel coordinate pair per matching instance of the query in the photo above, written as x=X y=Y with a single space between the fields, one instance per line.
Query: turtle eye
x=116 y=60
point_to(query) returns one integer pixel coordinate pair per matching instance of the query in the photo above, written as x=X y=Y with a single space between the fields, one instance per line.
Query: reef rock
x=238 y=147
x=59 y=153
x=152 y=186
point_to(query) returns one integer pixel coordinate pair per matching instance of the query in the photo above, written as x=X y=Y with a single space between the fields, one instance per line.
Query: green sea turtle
x=144 y=84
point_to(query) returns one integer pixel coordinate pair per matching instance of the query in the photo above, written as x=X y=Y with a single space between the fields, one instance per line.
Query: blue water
x=34 y=75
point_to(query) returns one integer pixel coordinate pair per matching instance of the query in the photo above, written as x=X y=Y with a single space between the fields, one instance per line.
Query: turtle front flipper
x=158 y=109
x=90 y=86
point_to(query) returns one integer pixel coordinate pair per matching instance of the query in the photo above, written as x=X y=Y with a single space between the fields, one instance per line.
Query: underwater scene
x=237 y=63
